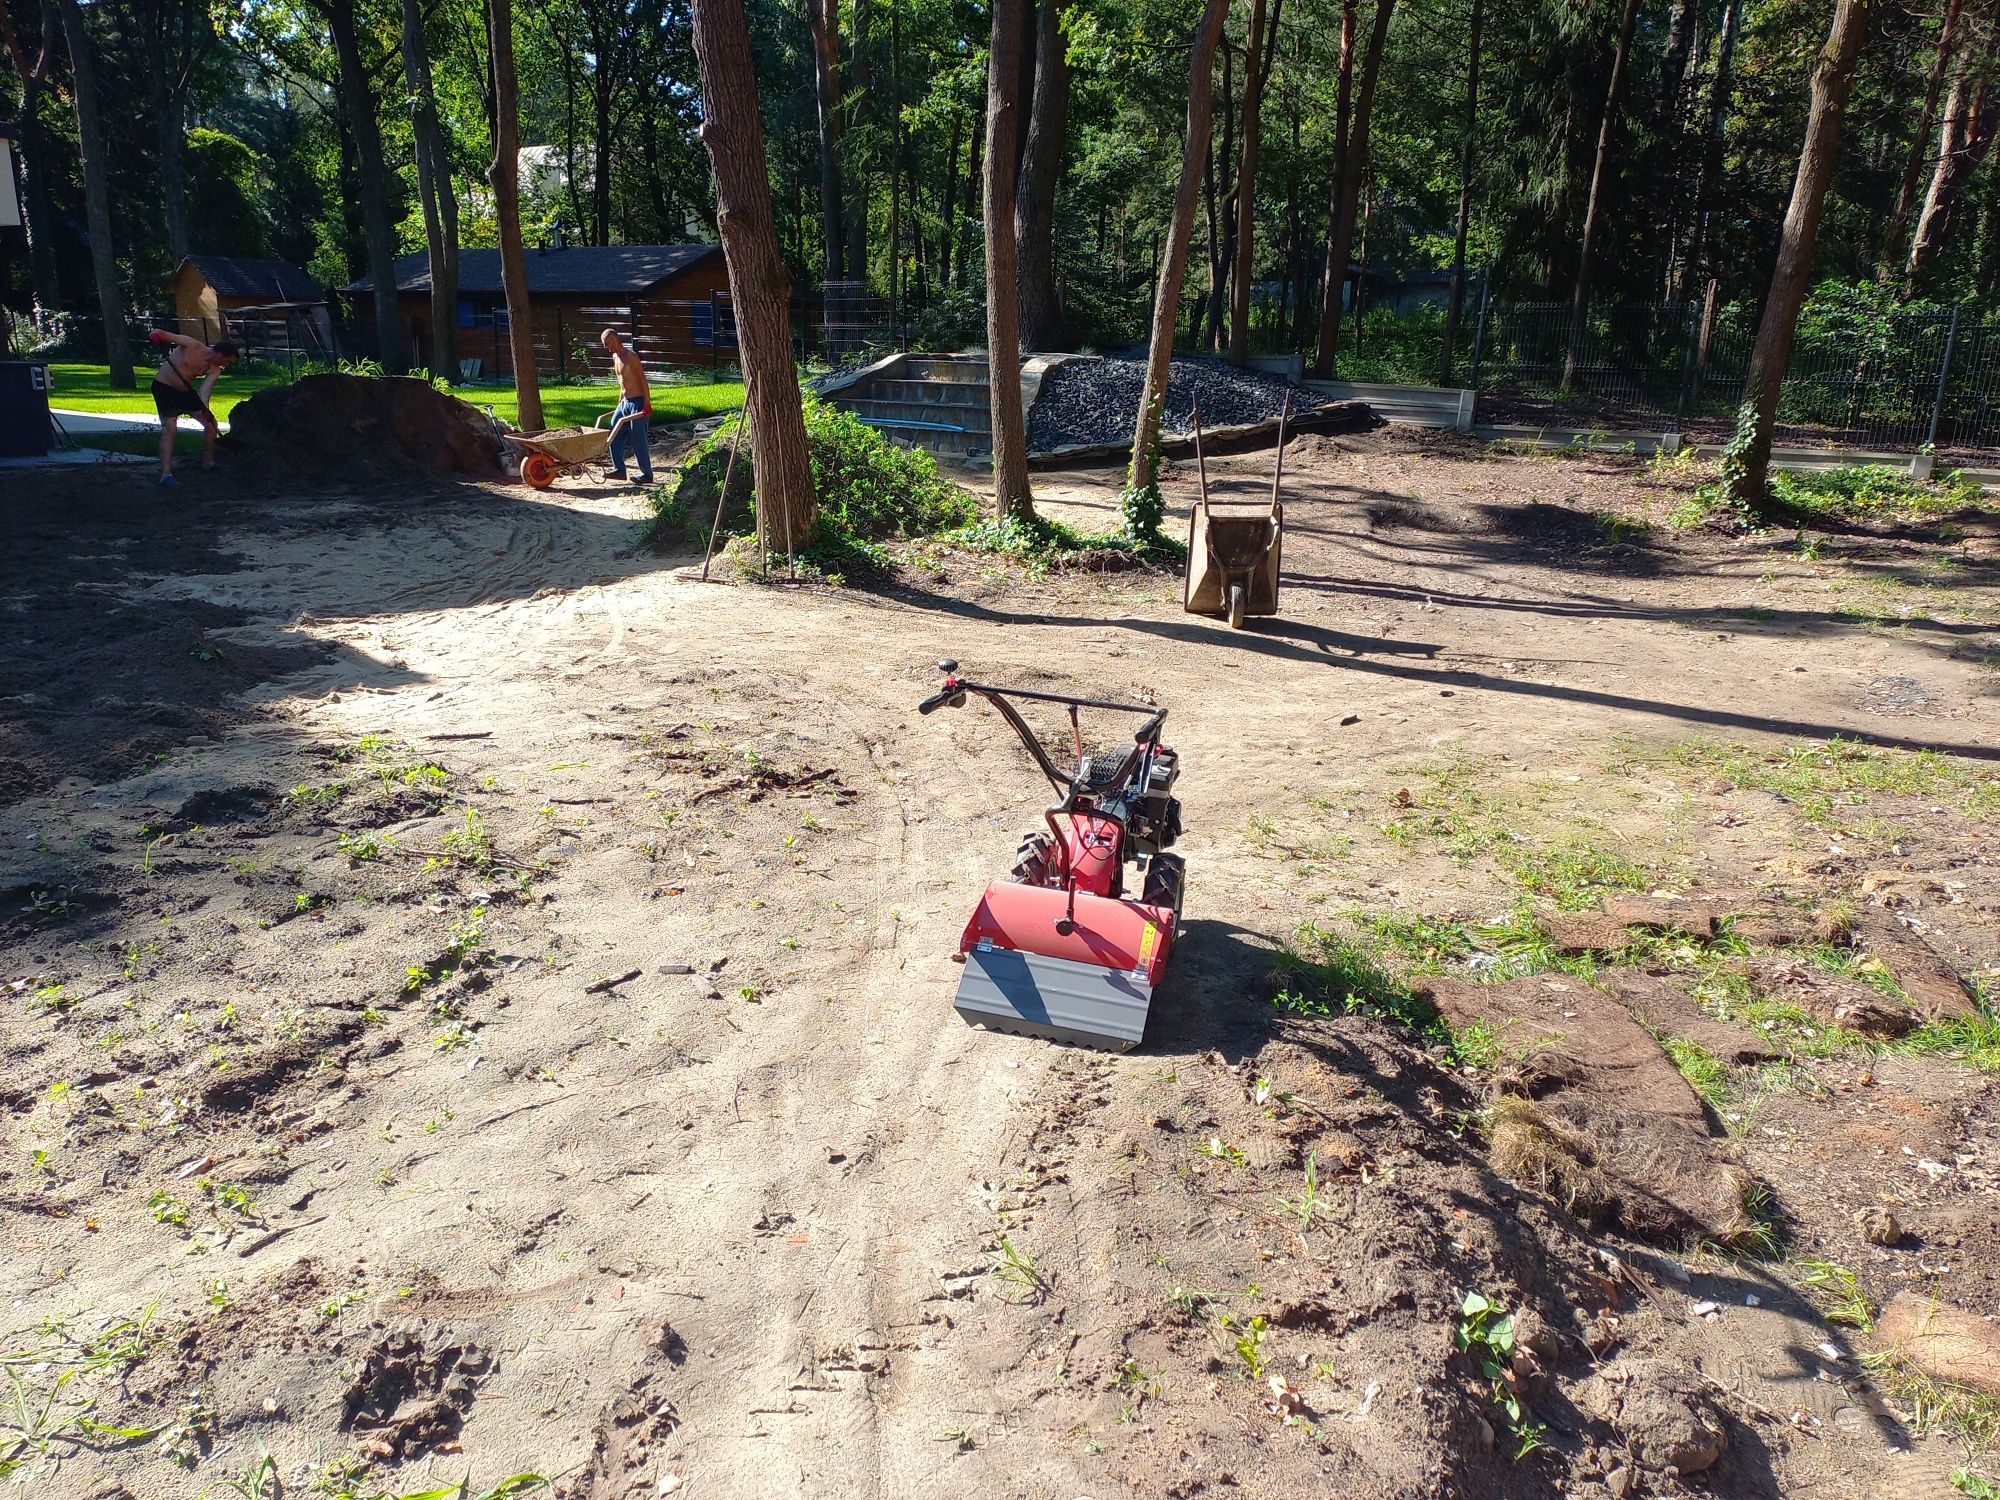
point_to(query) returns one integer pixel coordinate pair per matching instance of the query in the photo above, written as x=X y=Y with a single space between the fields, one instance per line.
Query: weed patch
x=1871 y=492
x=1820 y=777
x=1323 y=974
x=1836 y=1292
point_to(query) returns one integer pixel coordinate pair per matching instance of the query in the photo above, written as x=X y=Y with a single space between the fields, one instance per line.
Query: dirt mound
x=343 y=423
x=1087 y=403
x=1613 y=1129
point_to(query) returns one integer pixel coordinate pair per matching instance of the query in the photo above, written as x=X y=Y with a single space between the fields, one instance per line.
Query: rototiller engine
x=1058 y=949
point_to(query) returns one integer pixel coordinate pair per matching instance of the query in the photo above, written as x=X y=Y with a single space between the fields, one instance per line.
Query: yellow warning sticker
x=1146 y=942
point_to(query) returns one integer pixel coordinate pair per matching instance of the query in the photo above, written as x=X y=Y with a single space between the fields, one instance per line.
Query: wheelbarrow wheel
x=1238 y=600
x=539 y=470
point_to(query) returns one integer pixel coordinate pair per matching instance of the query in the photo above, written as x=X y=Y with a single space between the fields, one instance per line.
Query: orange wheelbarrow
x=543 y=457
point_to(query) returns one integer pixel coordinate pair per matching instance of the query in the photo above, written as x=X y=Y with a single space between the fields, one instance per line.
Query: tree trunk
x=1989 y=236
x=97 y=195
x=1353 y=170
x=1920 y=142
x=1256 y=62
x=1711 y=151
x=170 y=131
x=948 y=214
x=1041 y=169
x=1144 y=473
x=373 y=181
x=1011 y=494
x=823 y=16
x=602 y=82
x=578 y=220
x=760 y=290
x=1579 y=307
x=1747 y=460
x=1455 y=303
x=44 y=267
x=859 y=143
x=1674 y=65
x=434 y=188
x=503 y=176
x=1221 y=214
x=973 y=178
x=1971 y=114
x=39 y=216
x=896 y=164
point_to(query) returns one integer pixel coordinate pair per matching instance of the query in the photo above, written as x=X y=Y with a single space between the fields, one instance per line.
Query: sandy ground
x=453 y=1204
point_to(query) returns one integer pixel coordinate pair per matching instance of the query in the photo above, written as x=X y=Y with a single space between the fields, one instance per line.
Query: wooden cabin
x=670 y=302
x=213 y=294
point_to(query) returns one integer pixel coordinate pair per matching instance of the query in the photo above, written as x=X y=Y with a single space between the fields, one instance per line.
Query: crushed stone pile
x=367 y=425
x=1091 y=401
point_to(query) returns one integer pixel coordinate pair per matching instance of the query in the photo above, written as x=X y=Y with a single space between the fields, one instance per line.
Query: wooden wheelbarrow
x=1235 y=546
x=545 y=456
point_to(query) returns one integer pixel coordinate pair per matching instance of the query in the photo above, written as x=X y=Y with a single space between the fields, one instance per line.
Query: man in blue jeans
x=635 y=401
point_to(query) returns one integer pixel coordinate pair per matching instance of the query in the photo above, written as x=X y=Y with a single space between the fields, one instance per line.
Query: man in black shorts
x=180 y=389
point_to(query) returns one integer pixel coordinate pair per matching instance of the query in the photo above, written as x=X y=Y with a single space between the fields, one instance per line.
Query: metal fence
x=292 y=338
x=840 y=323
x=1897 y=381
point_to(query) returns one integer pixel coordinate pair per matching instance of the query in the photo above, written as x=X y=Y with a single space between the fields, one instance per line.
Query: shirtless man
x=176 y=395
x=636 y=402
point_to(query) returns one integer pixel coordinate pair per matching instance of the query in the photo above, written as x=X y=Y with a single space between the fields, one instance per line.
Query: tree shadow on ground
x=1296 y=641
x=146 y=617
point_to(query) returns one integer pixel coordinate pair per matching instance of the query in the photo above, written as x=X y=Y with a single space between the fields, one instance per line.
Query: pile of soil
x=1088 y=402
x=344 y=423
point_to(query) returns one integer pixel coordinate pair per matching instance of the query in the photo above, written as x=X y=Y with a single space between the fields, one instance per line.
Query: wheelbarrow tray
x=1233 y=541
x=566 y=445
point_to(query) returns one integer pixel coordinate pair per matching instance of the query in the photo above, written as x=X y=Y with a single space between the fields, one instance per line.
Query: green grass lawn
x=88 y=388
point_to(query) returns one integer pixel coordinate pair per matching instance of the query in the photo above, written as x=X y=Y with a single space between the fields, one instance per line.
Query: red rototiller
x=1058 y=949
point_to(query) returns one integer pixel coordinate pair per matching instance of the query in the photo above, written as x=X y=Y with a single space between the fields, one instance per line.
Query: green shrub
x=869 y=491
x=1872 y=492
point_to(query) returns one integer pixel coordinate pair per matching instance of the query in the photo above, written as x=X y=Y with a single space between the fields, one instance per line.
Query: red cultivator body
x=1060 y=948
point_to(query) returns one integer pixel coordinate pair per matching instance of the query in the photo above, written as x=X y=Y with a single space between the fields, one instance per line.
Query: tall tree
x=174 y=30
x=857 y=132
x=439 y=201
x=97 y=193
x=1719 y=89
x=503 y=176
x=1920 y=141
x=1144 y=472
x=1747 y=461
x=357 y=95
x=823 y=19
x=1257 y=55
x=760 y=290
x=1220 y=193
x=1035 y=195
x=1455 y=301
x=1579 y=302
x=1347 y=201
x=1971 y=115
x=33 y=69
x=1011 y=495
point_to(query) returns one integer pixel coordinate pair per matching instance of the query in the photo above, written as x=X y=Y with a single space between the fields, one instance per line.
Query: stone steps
x=930 y=401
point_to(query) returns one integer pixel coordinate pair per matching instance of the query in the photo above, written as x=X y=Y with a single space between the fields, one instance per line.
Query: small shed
x=670 y=302
x=212 y=294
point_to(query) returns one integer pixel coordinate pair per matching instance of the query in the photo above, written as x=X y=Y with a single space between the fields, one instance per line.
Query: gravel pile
x=1097 y=400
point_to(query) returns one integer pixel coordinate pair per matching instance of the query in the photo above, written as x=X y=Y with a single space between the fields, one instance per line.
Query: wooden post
x=728 y=471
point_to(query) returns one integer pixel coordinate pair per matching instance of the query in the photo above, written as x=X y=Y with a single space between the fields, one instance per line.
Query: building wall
x=674 y=327
x=195 y=305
